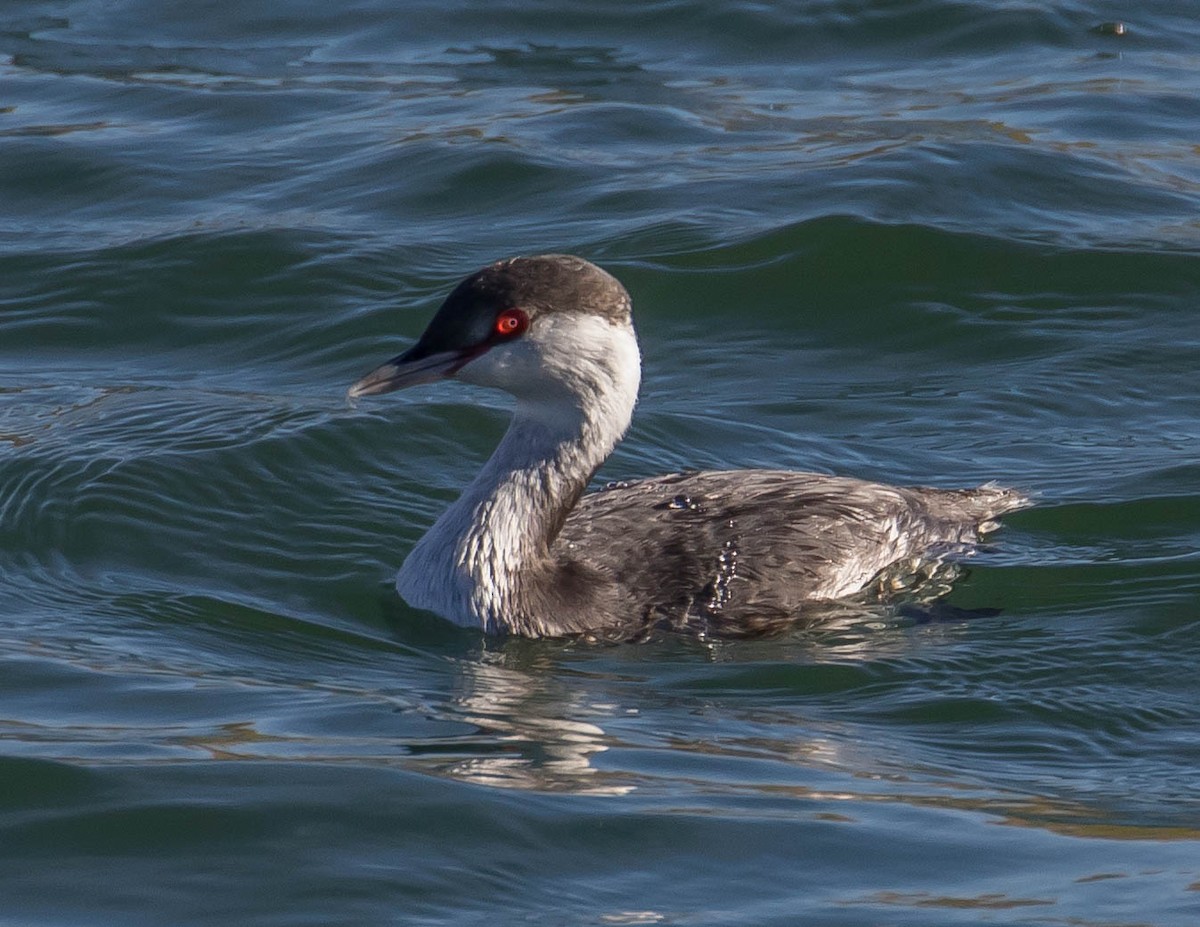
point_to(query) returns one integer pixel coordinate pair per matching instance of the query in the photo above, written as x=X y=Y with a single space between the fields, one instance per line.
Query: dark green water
x=937 y=241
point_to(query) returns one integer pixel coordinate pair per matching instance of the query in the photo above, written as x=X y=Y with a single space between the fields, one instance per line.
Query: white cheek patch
x=506 y=366
x=575 y=378
x=561 y=356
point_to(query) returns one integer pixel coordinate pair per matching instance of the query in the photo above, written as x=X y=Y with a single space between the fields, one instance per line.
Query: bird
x=526 y=551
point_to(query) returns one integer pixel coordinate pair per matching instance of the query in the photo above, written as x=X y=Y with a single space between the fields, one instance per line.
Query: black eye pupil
x=509 y=323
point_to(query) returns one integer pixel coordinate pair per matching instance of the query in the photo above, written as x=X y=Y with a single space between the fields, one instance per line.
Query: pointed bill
x=409 y=370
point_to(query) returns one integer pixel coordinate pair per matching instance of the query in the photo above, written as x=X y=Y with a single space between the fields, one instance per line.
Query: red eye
x=511 y=322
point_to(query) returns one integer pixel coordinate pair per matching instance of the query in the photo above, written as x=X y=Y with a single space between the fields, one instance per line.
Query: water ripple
x=937 y=241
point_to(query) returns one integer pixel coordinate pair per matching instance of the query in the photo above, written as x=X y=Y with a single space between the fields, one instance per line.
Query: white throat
x=575 y=379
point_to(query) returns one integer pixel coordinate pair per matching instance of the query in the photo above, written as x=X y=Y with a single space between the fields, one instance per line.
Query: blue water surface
x=929 y=241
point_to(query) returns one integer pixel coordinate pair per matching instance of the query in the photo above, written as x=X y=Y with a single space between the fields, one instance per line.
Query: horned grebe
x=524 y=551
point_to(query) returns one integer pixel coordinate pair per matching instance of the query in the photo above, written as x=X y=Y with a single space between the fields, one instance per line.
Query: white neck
x=477 y=565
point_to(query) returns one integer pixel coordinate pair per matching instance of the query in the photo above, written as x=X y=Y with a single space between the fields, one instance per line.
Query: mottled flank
x=748 y=548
